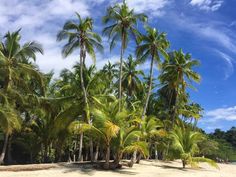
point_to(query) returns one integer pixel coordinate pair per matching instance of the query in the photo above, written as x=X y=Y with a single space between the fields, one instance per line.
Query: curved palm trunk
x=82 y=59
x=2 y=157
x=121 y=69
x=147 y=99
x=149 y=88
x=118 y=159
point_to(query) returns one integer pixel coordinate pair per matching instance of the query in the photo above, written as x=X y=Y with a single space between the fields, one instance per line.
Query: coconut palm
x=80 y=35
x=15 y=59
x=121 y=23
x=185 y=142
x=17 y=69
x=107 y=124
x=110 y=70
x=152 y=45
x=131 y=81
x=177 y=74
x=9 y=121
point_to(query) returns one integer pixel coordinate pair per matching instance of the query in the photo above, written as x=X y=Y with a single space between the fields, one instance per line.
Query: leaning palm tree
x=17 y=69
x=151 y=45
x=80 y=35
x=185 y=142
x=122 y=23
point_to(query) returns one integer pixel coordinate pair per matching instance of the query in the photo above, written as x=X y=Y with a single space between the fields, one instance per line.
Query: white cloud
x=228 y=114
x=40 y=20
x=214 y=31
x=152 y=7
x=229 y=61
x=207 y=5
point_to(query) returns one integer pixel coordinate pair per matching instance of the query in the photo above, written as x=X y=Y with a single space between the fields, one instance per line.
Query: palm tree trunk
x=96 y=153
x=91 y=149
x=174 y=109
x=184 y=163
x=121 y=69
x=82 y=59
x=149 y=88
x=107 y=158
x=2 y=157
x=9 y=156
x=80 y=158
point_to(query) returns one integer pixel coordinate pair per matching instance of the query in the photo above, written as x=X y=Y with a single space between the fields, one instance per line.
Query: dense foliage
x=94 y=114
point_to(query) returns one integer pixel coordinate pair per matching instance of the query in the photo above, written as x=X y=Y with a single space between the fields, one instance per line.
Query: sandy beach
x=144 y=169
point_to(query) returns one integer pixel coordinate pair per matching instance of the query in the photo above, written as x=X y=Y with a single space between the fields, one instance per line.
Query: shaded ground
x=145 y=169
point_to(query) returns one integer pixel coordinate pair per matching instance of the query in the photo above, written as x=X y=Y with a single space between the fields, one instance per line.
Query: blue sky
x=204 y=28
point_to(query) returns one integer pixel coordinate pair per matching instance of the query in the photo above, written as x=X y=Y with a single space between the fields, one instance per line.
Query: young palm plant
x=185 y=142
x=121 y=23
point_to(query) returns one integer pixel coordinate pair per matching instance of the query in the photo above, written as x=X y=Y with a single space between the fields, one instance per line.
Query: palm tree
x=9 y=121
x=185 y=142
x=122 y=22
x=110 y=70
x=177 y=74
x=107 y=124
x=151 y=45
x=17 y=69
x=130 y=78
x=80 y=35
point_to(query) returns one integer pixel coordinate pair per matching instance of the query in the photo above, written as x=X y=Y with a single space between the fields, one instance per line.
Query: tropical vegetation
x=116 y=112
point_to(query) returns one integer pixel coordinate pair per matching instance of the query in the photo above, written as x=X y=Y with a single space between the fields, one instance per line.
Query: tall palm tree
x=80 y=35
x=177 y=74
x=16 y=68
x=121 y=24
x=130 y=79
x=151 y=45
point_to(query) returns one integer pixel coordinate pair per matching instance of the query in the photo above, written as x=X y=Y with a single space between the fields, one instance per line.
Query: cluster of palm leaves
x=109 y=114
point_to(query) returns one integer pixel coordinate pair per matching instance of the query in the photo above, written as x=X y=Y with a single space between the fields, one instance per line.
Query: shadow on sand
x=90 y=169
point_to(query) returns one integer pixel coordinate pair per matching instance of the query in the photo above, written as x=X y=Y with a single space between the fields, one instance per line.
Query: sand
x=144 y=169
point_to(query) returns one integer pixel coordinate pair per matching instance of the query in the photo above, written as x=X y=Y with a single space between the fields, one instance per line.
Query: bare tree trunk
x=148 y=96
x=149 y=88
x=107 y=158
x=184 y=163
x=2 y=157
x=156 y=153
x=121 y=69
x=139 y=158
x=82 y=65
x=91 y=149
x=133 y=158
x=80 y=157
x=96 y=153
x=9 y=156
